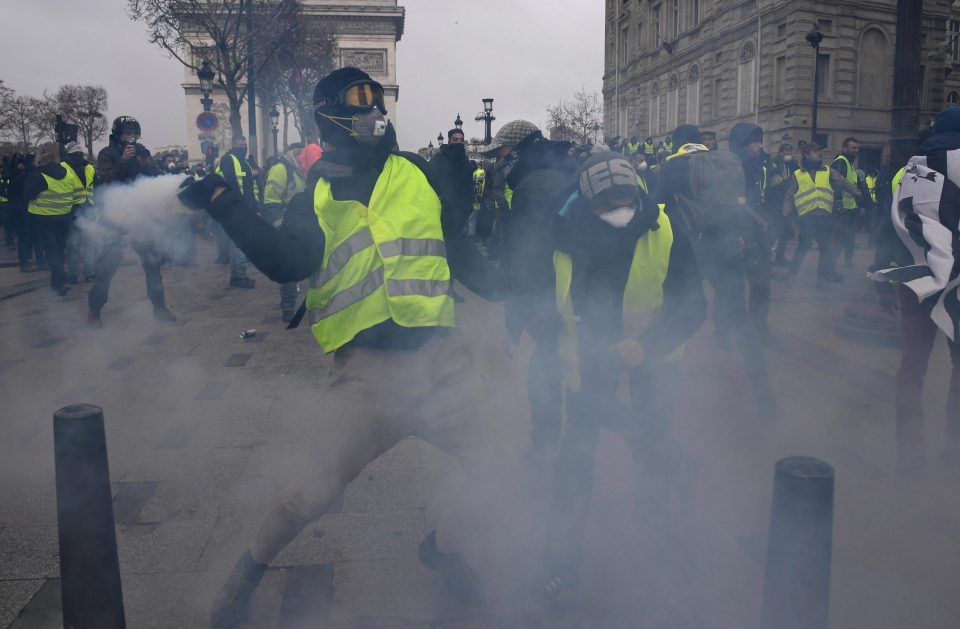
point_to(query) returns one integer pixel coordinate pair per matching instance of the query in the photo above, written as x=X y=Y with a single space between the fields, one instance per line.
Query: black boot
x=232 y=605
x=459 y=579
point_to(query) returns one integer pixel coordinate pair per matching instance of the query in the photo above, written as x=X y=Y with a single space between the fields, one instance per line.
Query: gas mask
x=370 y=127
x=618 y=218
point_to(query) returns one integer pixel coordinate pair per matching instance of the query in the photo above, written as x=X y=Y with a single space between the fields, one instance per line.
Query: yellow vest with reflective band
x=279 y=187
x=479 y=184
x=849 y=201
x=382 y=261
x=82 y=192
x=649 y=148
x=642 y=183
x=633 y=147
x=872 y=187
x=813 y=194
x=241 y=175
x=508 y=195
x=57 y=199
x=897 y=178
x=642 y=296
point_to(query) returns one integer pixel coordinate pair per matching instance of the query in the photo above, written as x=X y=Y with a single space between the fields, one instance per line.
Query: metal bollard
x=89 y=567
x=796 y=592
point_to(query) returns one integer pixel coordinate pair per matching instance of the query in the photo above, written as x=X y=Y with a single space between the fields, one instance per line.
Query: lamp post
x=814 y=37
x=206 y=75
x=274 y=121
x=458 y=124
x=440 y=139
x=487 y=117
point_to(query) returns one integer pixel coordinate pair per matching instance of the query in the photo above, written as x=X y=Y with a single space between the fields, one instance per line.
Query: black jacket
x=294 y=251
x=110 y=168
x=602 y=256
x=453 y=176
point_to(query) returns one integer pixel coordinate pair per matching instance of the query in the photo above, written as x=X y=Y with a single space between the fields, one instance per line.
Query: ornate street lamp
x=487 y=117
x=206 y=75
x=458 y=124
x=274 y=122
x=814 y=37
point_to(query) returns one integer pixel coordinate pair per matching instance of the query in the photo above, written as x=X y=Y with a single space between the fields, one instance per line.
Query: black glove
x=195 y=194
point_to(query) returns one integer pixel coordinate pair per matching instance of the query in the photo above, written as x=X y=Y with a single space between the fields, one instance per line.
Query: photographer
x=123 y=161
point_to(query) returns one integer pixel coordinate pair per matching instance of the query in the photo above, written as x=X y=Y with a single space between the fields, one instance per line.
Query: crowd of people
x=600 y=254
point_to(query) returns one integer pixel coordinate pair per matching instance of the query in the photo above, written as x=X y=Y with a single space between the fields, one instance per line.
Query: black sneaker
x=459 y=579
x=242 y=282
x=232 y=605
x=160 y=313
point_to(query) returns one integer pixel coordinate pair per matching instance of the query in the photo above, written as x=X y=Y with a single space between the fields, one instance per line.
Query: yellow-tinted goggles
x=363 y=95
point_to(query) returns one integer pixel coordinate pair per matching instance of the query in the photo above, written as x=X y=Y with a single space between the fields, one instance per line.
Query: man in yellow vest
x=847 y=215
x=379 y=246
x=629 y=294
x=235 y=169
x=49 y=193
x=810 y=194
x=80 y=246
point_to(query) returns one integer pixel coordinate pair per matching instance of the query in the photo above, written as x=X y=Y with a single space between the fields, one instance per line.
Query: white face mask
x=642 y=166
x=619 y=217
x=788 y=158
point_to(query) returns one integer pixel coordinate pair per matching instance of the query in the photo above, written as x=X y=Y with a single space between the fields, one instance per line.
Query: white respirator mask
x=619 y=217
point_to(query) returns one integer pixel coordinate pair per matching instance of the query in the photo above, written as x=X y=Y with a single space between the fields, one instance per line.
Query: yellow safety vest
x=633 y=147
x=668 y=147
x=82 y=192
x=382 y=261
x=57 y=199
x=642 y=183
x=849 y=201
x=642 y=296
x=897 y=178
x=479 y=184
x=649 y=149
x=241 y=174
x=813 y=194
x=279 y=188
x=872 y=187
x=508 y=195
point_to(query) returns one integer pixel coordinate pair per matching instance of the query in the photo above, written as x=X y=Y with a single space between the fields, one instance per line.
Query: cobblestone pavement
x=206 y=431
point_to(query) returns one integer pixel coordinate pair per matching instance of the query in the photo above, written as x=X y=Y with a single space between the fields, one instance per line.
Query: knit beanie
x=606 y=175
x=948 y=121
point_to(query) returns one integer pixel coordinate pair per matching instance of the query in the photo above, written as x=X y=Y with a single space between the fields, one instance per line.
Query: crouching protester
x=379 y=246
x=629 y=294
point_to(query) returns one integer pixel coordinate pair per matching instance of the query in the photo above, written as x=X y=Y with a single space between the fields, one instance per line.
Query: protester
x=49 y=194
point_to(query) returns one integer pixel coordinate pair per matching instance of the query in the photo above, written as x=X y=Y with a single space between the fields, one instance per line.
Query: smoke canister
x=248 y=334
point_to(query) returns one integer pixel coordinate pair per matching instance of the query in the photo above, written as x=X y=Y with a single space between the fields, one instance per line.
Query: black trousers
x=52 y=232
x=845 y=231
x=109 y=260
x=819 y=228
x=28 y=241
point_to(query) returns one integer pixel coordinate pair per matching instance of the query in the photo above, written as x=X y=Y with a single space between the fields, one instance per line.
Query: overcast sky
x=524 y=54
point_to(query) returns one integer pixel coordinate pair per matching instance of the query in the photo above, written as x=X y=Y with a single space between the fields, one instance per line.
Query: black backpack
x=716 y=197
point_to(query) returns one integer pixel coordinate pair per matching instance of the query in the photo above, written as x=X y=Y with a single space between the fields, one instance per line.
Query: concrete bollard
x=89 y=567
x=796 y=592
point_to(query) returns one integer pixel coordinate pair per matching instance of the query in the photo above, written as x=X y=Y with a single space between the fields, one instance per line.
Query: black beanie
x=686 y=134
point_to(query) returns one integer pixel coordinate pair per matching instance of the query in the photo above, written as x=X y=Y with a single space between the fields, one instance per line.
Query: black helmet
x=125 y=123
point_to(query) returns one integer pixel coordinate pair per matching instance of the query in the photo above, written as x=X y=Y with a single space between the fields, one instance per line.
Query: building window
x=823 y=75
x=746 y=78
x=640 y=45
x=923 y=85
x=781 y=30
x=675 y=19
x=780 y=80
x=624 y=44
x=655 y=14
x=694 y=13
x=953 y=35
x=673 y=102
x=826 y=25
x=654 y=122
x=875 y=79
x=693 y=95
x=953 y=98
x=717 y=98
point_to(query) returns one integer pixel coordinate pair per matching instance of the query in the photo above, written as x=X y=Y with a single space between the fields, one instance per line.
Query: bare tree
x=85 y=106
x=6 y=97
x=579 y=120
x=20 y=121
x=215 y=30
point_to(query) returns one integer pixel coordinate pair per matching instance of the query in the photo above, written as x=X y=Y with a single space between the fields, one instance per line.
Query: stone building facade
x=715 y=63
x=366 y=31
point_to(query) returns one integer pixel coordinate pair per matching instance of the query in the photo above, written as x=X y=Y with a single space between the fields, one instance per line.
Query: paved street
x=207 y=431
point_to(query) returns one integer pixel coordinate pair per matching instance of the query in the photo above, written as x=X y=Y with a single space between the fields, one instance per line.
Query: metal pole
x=487 y=136
x=796 y=592
x=816 y=91
x=89 y=567
x=251 y=93
x=274 y=129
x=905 y=116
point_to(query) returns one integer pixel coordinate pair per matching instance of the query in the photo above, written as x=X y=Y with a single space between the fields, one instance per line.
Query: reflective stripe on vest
x=384 y=261
x=642 y=296
x=813 y=195
x=872 y=187
x=649 y=148
x=241 y=175
x=82 y=192
x=849 y=201
x=57 y=199
x=280 y=188
x=508 y=195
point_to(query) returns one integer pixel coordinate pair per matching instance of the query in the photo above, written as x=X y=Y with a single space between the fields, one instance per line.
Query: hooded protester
x=629 y=294
x=451 y=170
x=540 y=173
x=123 y=160
x=238 y=173
x=380 y=245
x=49 y=192
x=718 y=222
x=907 y=258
